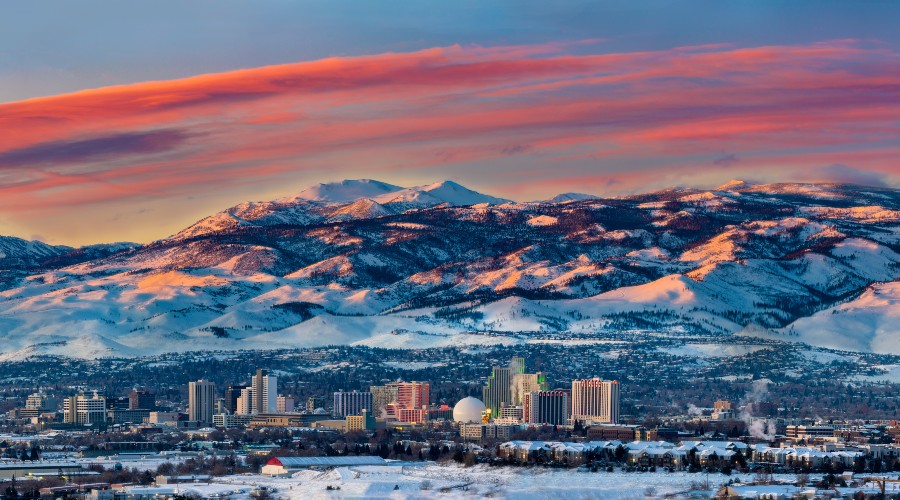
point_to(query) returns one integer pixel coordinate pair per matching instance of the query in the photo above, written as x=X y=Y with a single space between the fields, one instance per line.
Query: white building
x=245 y=402
x=229 y=421
x=265 y=392
x=595 y=400
x=85 y=409
x=351 y=403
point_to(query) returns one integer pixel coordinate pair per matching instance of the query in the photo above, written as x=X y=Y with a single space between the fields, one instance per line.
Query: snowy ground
x=454 y=481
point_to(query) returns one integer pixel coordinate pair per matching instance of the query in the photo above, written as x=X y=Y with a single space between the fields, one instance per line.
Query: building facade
x=285 y=404
x=201 y=401
x=413 y=395
x=141 y=400
x=265 y=392
x=363 y=422
x=232 y=394
x=484 y=432
x=384 y=399
x=85 y=409
x=523 y=383
x=245 y=402
x=547 y=407
x=595 y=400
x=351 y=403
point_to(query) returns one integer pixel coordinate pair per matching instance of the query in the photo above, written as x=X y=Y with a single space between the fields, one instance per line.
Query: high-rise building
x=265 y=392
x=245 y=402
x=232 y=394
x=595 y=400
x=498 y=390
x=201 y=401
x=517 y=365
x=36 y=404
x=523 y=383
x=285 y=404
x=382 y=396
x=547 y=407
x=85 y=409
x=351 y=403
x=141 y=400
x=413 y=395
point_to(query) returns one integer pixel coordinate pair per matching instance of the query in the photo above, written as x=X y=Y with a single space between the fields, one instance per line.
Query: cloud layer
x=552 y=117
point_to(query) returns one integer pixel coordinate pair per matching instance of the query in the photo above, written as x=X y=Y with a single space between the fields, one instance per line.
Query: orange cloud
x=531 y=110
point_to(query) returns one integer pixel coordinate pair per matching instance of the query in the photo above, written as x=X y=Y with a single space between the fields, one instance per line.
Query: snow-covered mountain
x=370 y=263
x=17 y=253
x=339 y=201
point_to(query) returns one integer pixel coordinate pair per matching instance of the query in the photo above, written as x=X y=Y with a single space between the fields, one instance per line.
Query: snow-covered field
x=454 y=481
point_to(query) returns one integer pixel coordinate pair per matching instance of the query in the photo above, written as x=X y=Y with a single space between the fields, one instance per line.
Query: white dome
x=468 y=410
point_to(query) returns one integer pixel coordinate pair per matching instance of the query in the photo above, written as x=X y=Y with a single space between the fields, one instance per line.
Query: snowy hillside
x=369 y=263
x=17 y=253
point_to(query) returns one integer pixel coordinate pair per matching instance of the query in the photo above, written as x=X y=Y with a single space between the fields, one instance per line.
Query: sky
x=128 y=121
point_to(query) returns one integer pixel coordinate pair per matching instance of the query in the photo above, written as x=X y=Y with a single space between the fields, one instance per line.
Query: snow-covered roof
x=299 y=462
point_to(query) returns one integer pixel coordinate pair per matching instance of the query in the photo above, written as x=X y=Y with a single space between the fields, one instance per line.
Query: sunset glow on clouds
x=142 y=161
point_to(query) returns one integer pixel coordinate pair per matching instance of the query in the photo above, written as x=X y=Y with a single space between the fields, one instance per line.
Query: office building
x=141 y=400
x=201 y=401
x=413 y=395
x=510 y=415
x=245 y=402
x=384 y=399
x=285 y=404
x=546 y=407
x=120 y=403
x=85 y=409
x=36 y=404
x=265 y=392
x=230 y=421
x=363 y=422
x=497 y=392
x=595 y=400
x=351 y=403
x=523 y=383
x=232 y=394
x=119 y=416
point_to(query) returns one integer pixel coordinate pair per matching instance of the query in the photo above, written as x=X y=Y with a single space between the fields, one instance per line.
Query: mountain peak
x=564 y=197
x=457 y=194
x=345 y=191
x=732 y=185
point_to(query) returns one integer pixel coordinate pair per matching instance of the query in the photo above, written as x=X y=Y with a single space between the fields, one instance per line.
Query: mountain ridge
x=427 y=266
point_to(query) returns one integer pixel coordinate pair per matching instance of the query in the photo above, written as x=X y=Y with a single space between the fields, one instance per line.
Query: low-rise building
x=286 y=419
x=364 y=422
x=483 y=432
x=229 y=421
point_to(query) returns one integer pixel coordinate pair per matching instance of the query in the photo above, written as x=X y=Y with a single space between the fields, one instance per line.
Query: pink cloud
x=596 y=116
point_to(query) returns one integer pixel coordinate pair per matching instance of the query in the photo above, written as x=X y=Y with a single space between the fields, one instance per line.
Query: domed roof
x=468 y=410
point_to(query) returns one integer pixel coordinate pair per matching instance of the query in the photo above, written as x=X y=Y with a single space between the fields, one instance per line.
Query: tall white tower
x=265 y=392
x=595 y=400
